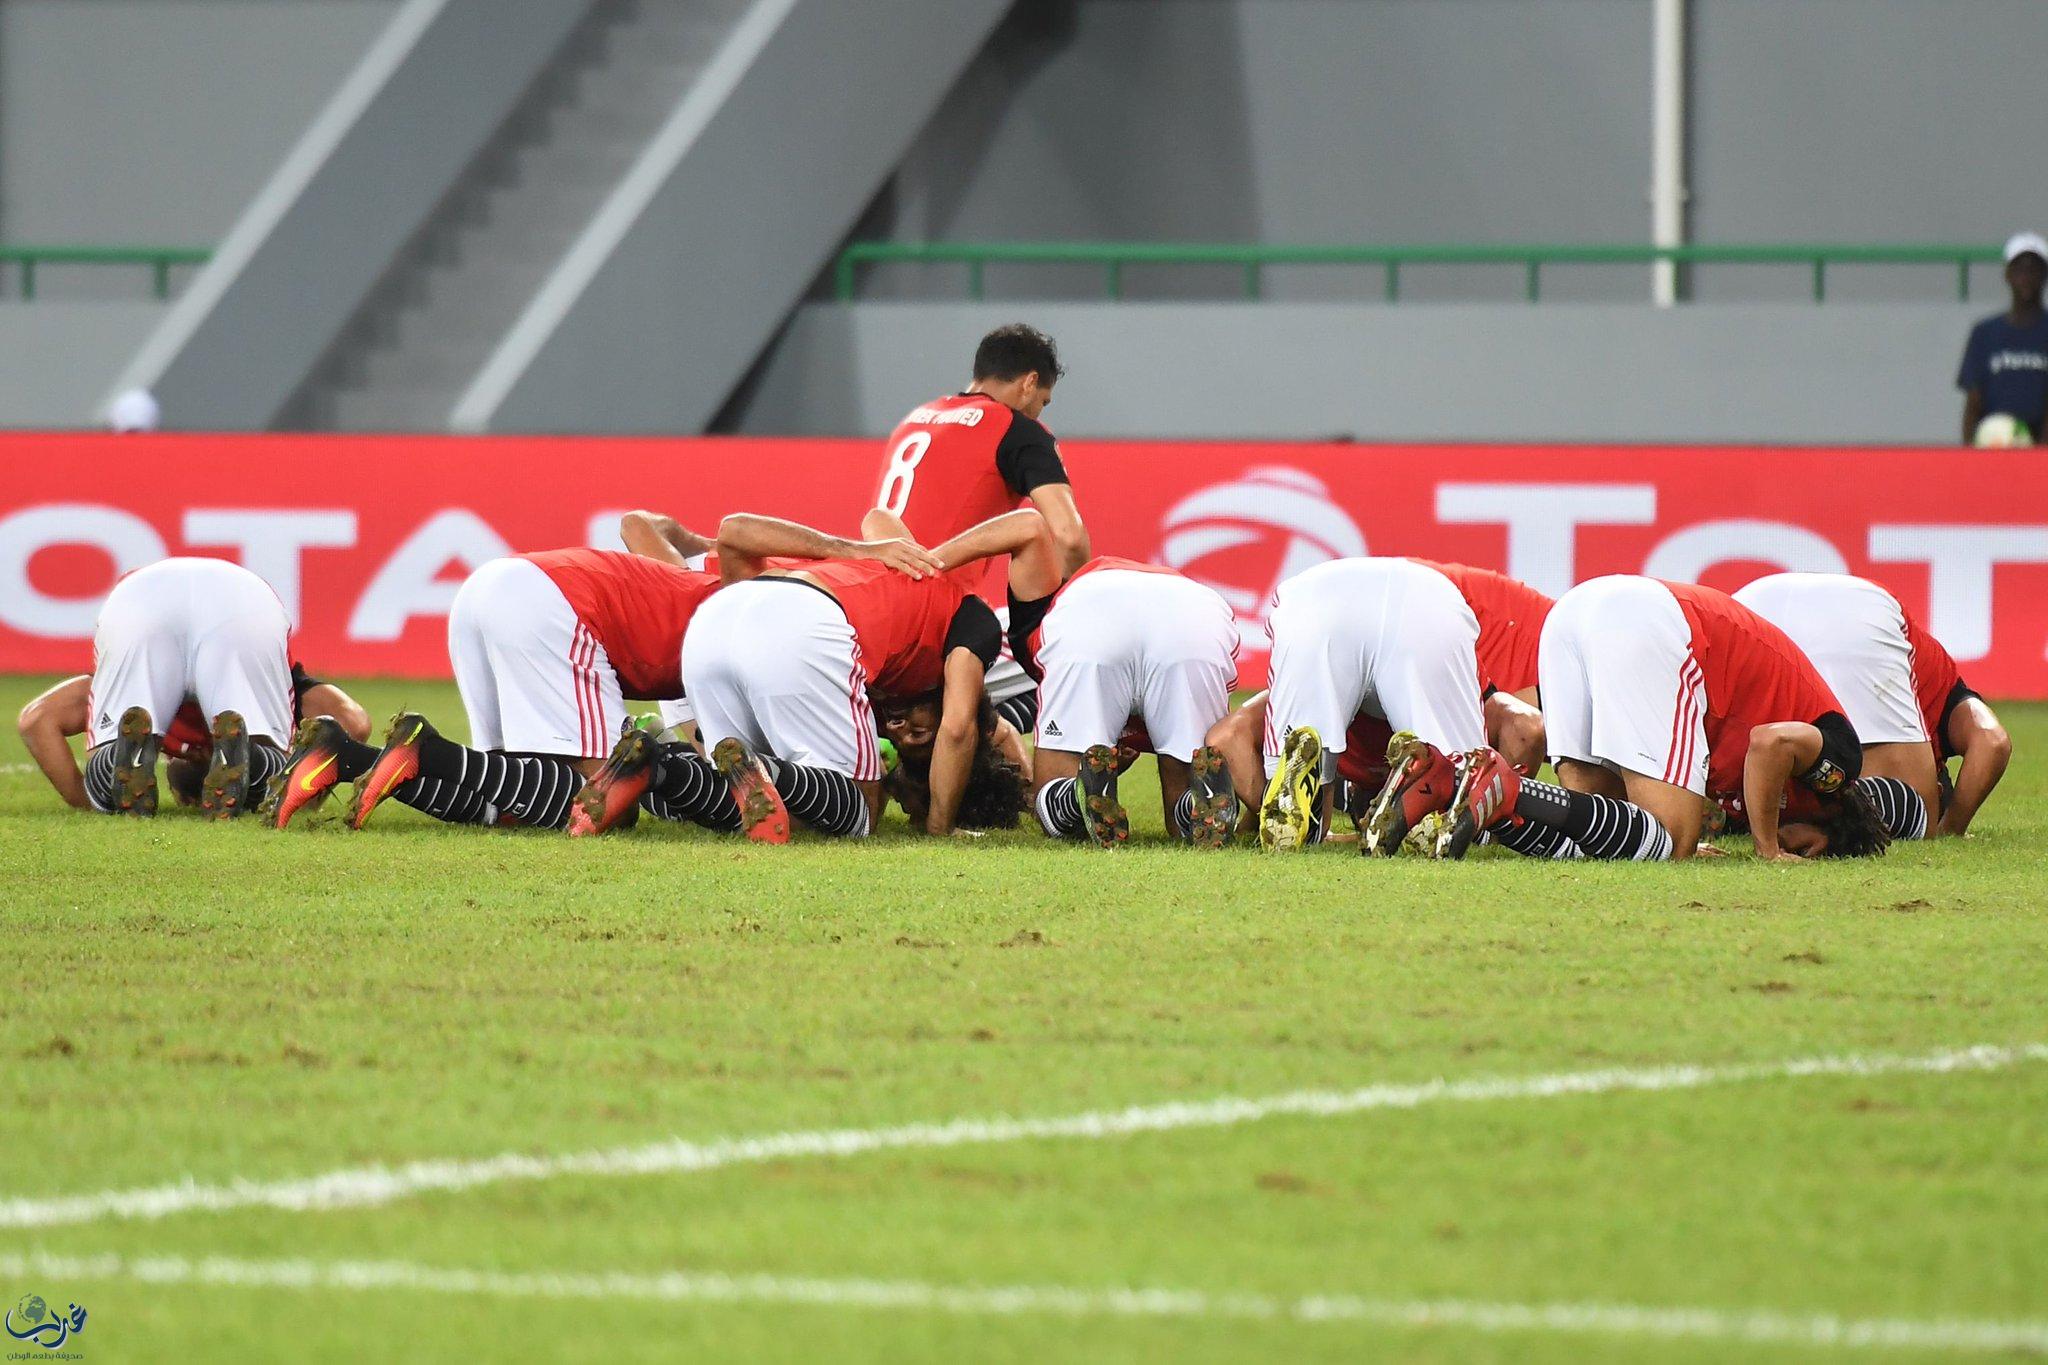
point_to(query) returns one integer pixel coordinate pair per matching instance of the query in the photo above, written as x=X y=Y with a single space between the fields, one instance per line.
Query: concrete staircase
x=505 y=224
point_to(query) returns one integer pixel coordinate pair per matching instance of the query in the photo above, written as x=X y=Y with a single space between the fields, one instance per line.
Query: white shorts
x=1620 y=685
x=533 y=678
x=1120 y=644
x=1006 y=679
x=774 y=662
x=1855 y=633
x=1384 y=636
x=199 y=628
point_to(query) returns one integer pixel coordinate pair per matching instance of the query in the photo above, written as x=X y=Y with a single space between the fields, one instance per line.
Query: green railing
x=159 y=260
x=1254 y=260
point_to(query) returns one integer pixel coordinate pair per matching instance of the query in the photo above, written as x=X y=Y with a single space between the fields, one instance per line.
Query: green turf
x=221 y=1002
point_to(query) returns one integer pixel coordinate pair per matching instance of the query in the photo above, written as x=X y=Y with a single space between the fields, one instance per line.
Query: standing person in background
x=2005 y=364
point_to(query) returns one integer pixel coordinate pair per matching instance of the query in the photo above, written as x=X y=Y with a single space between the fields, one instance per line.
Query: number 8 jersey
x=959 y=460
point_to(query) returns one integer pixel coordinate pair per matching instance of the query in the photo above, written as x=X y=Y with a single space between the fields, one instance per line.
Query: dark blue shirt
x=2010 y=365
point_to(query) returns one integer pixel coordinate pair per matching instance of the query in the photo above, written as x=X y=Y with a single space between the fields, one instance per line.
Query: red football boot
x=614 y=793
x=396 y=765
x=1420 y=781
x=762 y=814
x=1487 y=790
x=311 y=770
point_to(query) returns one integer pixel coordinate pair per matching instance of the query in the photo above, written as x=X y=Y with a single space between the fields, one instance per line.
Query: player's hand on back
x=904 y=556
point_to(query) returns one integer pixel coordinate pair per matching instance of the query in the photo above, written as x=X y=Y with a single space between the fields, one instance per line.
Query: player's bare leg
x=1591 y=778
x=1514 y=727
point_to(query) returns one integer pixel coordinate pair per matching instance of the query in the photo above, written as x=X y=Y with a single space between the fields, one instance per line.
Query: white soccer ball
x=2002 y=431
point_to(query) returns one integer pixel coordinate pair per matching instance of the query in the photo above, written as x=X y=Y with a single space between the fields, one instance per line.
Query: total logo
x=1246 y=537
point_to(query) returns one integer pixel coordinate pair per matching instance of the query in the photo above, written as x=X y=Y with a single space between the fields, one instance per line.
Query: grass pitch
x=224 y=1003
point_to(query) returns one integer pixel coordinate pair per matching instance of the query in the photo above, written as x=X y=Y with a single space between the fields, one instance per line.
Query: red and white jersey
x=1752 y=674
x=1510 y=614
x=1026 y=636
x=638 y=608
x=1935 y=680
x=956 y=461
x=901 y=623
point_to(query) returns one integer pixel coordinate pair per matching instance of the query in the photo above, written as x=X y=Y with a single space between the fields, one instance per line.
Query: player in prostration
x=786 y=660
x=1389 y=637
x=546 y=648
x=1397 y=781
x=1656 y=694
x=963 y=458
x=1123 y=645
x=191 y=660
x=1855 y=634
x=1961 y=725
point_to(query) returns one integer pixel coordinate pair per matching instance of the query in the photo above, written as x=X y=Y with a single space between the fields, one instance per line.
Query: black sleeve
x=1027 y=457
x=1841 y=756
x=302 y=681
x=975 y=628
x=1026 y=617
x=1957 y=695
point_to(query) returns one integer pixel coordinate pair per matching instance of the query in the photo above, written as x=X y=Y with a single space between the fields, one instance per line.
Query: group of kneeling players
x=1418 y=698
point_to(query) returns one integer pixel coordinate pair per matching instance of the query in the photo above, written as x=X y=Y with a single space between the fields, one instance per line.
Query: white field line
x=10 y=769
x=365 y=1185
x=1624 y=1320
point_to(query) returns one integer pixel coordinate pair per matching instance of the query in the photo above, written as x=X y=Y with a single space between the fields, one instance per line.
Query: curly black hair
x=994 y=798
x=1854 y=827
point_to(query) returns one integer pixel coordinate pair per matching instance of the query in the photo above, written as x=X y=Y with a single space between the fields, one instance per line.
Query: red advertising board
x=365 y=538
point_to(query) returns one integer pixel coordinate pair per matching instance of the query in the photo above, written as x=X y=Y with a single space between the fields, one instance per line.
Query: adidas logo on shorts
x=1052 y=729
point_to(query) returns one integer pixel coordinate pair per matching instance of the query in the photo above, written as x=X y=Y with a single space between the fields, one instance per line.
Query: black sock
x=99 y=778
x=1899 y=807
x=352 y=758
x=1059 y=808
x=1184 y=815
x=266 y=761
x=468 y=787
x=1532 y=840
x=1021 y=710
x=687 y=787
x=825 y=800
x=1601 y=826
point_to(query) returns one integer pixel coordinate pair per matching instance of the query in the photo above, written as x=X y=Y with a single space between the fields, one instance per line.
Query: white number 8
x=902 y=471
